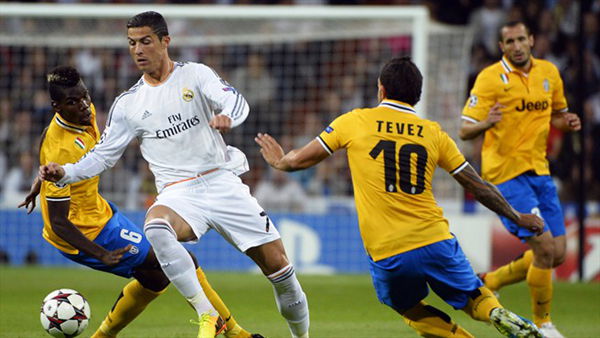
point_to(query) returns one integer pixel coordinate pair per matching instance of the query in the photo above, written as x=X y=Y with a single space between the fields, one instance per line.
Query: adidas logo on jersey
x=146 y=115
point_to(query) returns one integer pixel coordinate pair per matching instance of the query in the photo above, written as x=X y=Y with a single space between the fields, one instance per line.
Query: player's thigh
x=449 y=273
x=238 y=217
x=185 y=217
x=549 y=204
x=522 y=196
x=398 y=280
x=118 y=233
x=543 y=249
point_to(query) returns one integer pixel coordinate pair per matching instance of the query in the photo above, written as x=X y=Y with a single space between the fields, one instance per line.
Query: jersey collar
x=68 y=125
x=508 y=67
x=398 y=105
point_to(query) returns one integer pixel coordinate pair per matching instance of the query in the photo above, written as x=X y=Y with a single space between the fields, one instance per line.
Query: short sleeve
x=335 y=136
x=481 y=99
x=53 y=150
x=450 y=158
x=56 y=192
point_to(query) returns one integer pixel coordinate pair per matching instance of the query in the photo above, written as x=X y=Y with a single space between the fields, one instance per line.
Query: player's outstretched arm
x=470 y=130
x=58 y=213
x=488 y=195
x=29 y=202
x=305 y=157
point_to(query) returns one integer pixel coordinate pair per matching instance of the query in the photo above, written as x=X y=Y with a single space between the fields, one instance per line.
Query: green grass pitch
x=341 y=305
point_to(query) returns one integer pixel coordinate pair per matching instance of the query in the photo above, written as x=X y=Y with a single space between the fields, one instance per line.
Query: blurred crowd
x=294 y=90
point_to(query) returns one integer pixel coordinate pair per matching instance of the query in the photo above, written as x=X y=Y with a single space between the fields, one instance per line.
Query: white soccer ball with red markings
x=65 y=313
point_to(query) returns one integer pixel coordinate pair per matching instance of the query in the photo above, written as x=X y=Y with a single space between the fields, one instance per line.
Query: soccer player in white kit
x=177 y=111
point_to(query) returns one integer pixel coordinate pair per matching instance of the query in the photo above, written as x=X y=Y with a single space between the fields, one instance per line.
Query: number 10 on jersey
x=404 y=168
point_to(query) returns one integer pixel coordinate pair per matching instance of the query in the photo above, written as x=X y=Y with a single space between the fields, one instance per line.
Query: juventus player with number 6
x=178 y=110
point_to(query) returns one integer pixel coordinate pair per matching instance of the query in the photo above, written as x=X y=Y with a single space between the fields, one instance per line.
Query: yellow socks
x=233 y=330
x=429 y=321
x=511 y=273
x=134 y=298
x=131 y=302
x=540 y=288
x=480 y=305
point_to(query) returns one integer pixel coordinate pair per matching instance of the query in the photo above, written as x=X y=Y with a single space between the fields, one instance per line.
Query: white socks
x=291 y=300
x=176 y=263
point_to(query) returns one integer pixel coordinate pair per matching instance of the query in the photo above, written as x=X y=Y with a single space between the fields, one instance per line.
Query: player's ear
x=166 y=40
x=531 y=41
x=380 y=91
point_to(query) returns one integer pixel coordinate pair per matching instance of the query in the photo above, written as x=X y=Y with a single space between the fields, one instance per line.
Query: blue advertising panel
x=315 y=243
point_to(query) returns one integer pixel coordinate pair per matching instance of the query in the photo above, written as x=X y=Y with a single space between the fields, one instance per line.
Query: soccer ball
x=65 y=313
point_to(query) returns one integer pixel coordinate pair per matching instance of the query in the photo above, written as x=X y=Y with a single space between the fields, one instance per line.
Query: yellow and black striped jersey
x=65 y=142
x=517 y=143
x=392 y=155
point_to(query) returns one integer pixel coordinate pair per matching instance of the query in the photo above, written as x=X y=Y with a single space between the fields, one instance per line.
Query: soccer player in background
x=87 y=229
x=513 y=102
x=177 y=110
x=392 y=155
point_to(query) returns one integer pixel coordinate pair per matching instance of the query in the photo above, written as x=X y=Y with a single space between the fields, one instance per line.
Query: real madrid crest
x=188 y=95
x=546 y=85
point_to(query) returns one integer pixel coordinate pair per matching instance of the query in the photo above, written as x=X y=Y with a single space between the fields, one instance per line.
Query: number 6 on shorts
x=131 y=236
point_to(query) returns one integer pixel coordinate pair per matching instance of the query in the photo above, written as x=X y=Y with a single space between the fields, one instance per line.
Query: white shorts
x=220 y=201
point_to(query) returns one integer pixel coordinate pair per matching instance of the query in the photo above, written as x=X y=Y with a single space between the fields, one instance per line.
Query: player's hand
x=572 y=121
x=495 y=114
x=221 y=123
x=531 y=222
x=29 y=202
x=269 y=148
x=52 y=172
x=113 y=257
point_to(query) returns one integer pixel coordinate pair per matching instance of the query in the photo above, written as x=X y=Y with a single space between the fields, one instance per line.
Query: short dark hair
x=61 y=78
x=150 y=19
x=512 y=24
x=402 y=80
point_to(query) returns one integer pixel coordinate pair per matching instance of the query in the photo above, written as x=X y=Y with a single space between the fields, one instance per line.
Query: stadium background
x=295 y=86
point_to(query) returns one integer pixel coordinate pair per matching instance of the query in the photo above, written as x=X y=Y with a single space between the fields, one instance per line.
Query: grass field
x=341 y=306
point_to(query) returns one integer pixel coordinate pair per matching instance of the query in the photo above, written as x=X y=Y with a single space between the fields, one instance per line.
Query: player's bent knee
x=160 y=225
x=543 y=251
x=560 y=251
x=182 y=229
x=152 y=279
x=270 y=257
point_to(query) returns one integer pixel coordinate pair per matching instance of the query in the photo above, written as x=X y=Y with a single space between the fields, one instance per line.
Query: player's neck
x=525 y=68
x=161 y=74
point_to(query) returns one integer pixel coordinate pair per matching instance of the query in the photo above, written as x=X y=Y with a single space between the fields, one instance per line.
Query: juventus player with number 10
x=177 y=110
x=393 y=154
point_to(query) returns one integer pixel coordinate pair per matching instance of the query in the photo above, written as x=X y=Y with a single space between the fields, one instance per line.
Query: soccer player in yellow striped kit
x=393 y=154
x=513 y=103
x=91 y=231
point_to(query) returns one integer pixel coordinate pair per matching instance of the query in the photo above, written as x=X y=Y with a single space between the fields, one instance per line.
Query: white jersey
x=170 y=121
